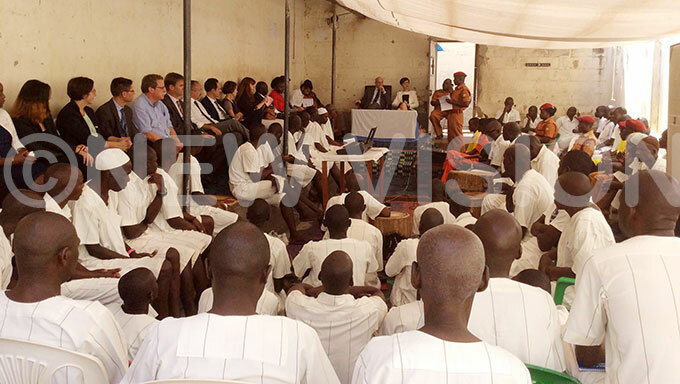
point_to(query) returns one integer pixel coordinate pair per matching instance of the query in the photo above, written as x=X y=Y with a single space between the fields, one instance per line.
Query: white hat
x=322 y=111
x=635 y=138
x=110 y=158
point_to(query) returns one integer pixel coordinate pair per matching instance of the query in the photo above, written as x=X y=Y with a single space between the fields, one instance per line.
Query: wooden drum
x=399 y=222
x=471 y=181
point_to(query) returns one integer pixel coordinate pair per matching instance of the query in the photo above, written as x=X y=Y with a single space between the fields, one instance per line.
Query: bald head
x=652 y=207
x=354 y=203
x=137 y=287
x=573 y=191
x=336 y=273
x=227 y=254
x=18 y=205
x=256 y=131
x=430 y=219
x=576 y=161
x=337 y=220
x=258 y=213
x=510 y=131
x=450 y=266
x=516 y=161
x=45 y=243
x=501 y=236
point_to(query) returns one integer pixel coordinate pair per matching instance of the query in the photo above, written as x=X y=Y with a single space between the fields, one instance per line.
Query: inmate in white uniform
x=373 y=206
x=361 y=230
x=246 y=160
x=498 y=148
x=6 y=255
x=312 y=255
x=510 y=117
x=134 y=327
x=99 y=223
x=399 y=267
x=625 y=295
x=586 y=232
x=268 y=303
x=465 y=219
x=566 y=128
x=278 y=259
x=344 y=324
x=299 y=170
x=254 y=349
x=546 y=163
x=520 y=319
x=417 y=357
x=443 y=208
x=403 y=318
x=81 y=326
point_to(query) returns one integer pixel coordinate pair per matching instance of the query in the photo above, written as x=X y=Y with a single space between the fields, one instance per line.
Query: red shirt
x=279 y=103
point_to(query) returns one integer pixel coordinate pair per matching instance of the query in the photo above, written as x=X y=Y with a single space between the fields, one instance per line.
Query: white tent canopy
x=551 y=24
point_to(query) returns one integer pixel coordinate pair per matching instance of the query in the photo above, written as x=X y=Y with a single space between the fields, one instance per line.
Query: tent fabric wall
x=554 y=24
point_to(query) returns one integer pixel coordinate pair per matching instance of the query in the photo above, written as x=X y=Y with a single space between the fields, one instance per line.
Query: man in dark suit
x=211 y=102
x=376 y=97
x=115 y=117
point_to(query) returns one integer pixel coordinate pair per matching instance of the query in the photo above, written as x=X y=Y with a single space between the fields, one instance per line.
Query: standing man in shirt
x=625 y=293
x=345 y=316
x=508 y=114
x=449 y=271
x=437 y=114
x=460 y=99
x=151 y=116
x=212 y=102
x=115 y=117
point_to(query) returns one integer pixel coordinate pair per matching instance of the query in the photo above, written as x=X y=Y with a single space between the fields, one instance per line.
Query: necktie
x=123 y=122
x=220 y=109
x=180 y=108
x=377 y=96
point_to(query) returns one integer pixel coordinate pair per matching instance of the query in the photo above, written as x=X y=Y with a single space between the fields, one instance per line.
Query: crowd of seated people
x=103 y=260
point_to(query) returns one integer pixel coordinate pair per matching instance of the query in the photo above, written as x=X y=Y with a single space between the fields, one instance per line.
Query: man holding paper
x=460 y=99
x=441 y=107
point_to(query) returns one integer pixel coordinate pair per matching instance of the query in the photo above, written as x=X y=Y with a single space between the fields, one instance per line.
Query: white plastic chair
x=26 y=362
x=190 y=381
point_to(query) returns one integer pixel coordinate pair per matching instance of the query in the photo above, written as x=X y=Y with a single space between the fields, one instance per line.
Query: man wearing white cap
x=325 y=123
x=98 y=225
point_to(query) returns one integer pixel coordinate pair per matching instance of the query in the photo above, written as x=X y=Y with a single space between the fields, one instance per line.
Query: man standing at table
x=460 y=99
x=437 y=114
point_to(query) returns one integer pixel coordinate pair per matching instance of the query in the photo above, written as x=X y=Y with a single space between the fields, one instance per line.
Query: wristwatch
x=162 y=194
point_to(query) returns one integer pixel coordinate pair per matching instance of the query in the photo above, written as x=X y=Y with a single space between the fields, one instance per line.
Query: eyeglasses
x=160 y=87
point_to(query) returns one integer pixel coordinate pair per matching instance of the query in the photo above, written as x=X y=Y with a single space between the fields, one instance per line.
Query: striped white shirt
x=407 y=317
x=361 y=230
x=268 y=304
x=81 y=326
x=255 y=349
x=625 y=295
x=532 y=197
x=134 y=327
x=586 y=232
x=6 y=255
x=314 y=253
x=441 y=206
x=417 y=357
x=520 y=319
x=344 y=324
x=279 y=260
x=373 y=206
x=399 y=267
x=546 y=163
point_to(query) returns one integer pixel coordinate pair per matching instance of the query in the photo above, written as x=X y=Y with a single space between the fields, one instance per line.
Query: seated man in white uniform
x=646 y=154
x=200 y=205
x=98 y=224
x=438 y=202
x=307 y=264
x=530 y=197
x=374 y=208
x=543 y=160
x=153 y=220
x=508 y=114
x=566 y=126
x=313 y=137
x=137 y=288
x=344 y=315
x=625 y=293
x=46 y=247
x=250 y=179
x=399 y=264
x=586 y=232
x=449 y=271
x=510 y=132
x=232 y=342
x=361 y=230
x=516 y=317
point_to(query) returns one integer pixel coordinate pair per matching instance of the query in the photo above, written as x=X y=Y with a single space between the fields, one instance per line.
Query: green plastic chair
x=562 y=284
x=541 y=375
x=554 y=142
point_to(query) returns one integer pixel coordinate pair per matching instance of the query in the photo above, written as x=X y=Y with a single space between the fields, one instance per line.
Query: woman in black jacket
x=245 y=99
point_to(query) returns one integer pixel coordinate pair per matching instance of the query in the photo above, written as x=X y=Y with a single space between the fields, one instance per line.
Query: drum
x=398 y=222
x=471 y=181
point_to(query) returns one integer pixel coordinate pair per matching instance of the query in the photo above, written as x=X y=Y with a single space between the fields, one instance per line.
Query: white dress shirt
x=361 y=230
x=625 y=296
x=81 y=326
x=532 y=124
x=586 y=232
x=566 y=128
x=399 y=267
x=267 y=304
x=607 y=131
x=344 y=324
x=532 y=197
x=314 y=253
x=278 y=259
x=521 y=319
x=199 y=115
x=254 y=349
x=510 y=117
x=498 y=148
x=407 y=317
x=417 y=357
x=441 y=206
x=134 y=327
x=546 y=163
x=373 y=206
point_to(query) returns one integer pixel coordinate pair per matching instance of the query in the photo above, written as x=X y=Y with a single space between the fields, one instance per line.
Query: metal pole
x=186 y=187
x=286 y=111
x=335 y=29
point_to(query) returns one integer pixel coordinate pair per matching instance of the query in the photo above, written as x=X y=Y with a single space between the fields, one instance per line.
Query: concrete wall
x=579 y=77
x=54 y=40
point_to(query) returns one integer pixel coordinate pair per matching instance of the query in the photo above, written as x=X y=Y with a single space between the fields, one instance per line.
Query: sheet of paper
x=620 y=176
x=445 y=105
x=307 y=102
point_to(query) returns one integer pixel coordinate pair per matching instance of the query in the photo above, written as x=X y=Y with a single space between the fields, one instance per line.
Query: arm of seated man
x=83 y=273
x=363 y=291
x=96 y=250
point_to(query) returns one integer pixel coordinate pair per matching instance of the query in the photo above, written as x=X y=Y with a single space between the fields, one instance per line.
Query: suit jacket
x=384 y=100
x=71 y=125
x=175 y=118
x=210 y=107
x=109 y=121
